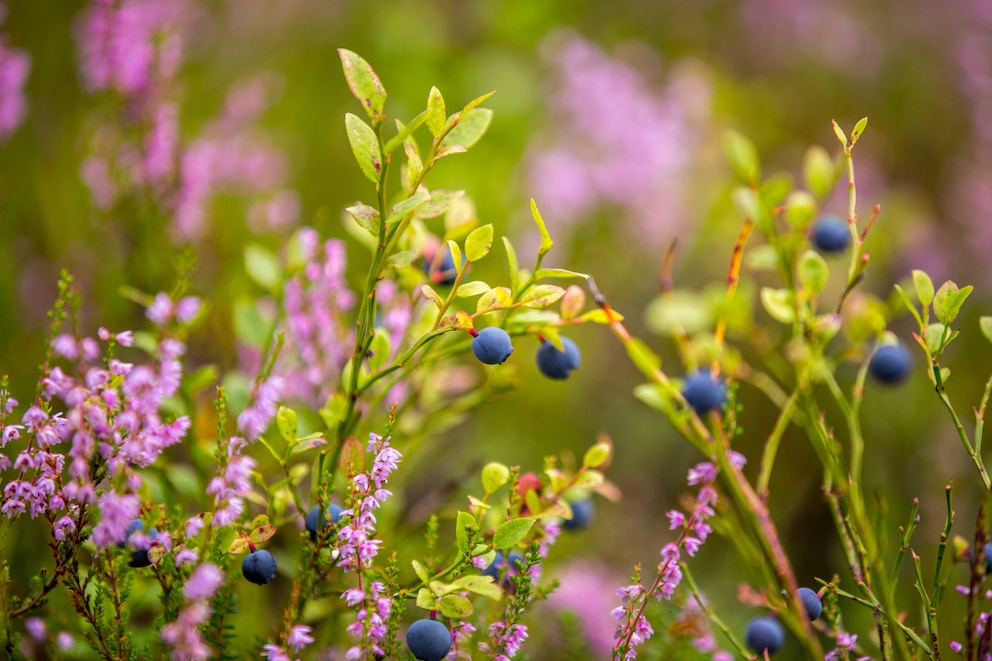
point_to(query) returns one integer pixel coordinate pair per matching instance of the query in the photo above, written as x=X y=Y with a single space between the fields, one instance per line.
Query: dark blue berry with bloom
x=582 y=514
x=492 y=345
x=764 y=633
x=703 y=392
x=831 y=234
x=891 y=364
x=556 y=364
x=499 y=563
x=428 y=640
x=441 y=271
x=811 y=602
x=259 y=567
x=316 y=519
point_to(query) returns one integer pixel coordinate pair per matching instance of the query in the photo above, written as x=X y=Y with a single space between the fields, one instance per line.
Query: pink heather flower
x=116 y=512
x=299 y=637
x=64 y=641
x=262 y=408
x=15 y=64
x=183 y=635
x=275 y=653
x=203 y=582
x=187 y=308
x=36 y=628
x=160 y=311
x=186 y=556
x=585 y=589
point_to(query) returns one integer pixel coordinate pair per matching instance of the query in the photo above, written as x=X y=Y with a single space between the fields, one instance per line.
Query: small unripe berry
x=891 y=364
x=831 y=234
x=764 y=633
x=259 y=567
x=428 y=640
x=811 y=602
x=492 y=345
x=556 y=364
x=703 y=392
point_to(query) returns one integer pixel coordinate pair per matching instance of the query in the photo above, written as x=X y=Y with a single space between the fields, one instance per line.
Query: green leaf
x=778 y=304
x=495 y=298
x=546 y=242
x=473 y=288
x=435 y=112
x=421 y=572
x=819 y=171
x=468 y=129
x=479 y=242
x=511 y=532
x=476 y=102
x=432 y=295
x=743 y=157
x=366 y=216
x=309 y=443
x=286 y=422
x=589 y=479
x=439 y=202
x=480 y=585
x=985 y=323
x=363 y=83
x=455 y=606
x=408 y=206
x=363 y=143
x=541 y=274
x=839 y=132
x=747 y=202
x=494 y=476
x=642 y=356
x=597 y=455
x=813 y=271
x=512 y=265
x=404 y=133
x=402 y=258
x=924 y=287
x=800 y=208
x=426 y=599
x=380 y=349
x=948 y=301
x=464 y=522
x=250 y=325
x=263 y=267
x=859 y=128
x=541 y=296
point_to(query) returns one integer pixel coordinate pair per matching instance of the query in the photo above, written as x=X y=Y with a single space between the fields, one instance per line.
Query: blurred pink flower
x=14 y=67
x=587 y=589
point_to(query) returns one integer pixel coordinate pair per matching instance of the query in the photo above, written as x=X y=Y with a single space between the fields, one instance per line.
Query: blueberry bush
x=272 y=465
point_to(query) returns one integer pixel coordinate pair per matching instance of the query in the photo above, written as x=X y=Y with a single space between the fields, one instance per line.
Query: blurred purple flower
x=203 y=582
x=15 y=64
x=616 y=142
x=585 y=589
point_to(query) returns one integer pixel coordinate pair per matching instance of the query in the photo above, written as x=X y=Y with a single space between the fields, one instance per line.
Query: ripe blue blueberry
x=139 y=557
x=441 y=272
x=498 y=563
x=582 y=513
x=764 y=633
x=316 y=520
x=492 y=345
x=556 y=364
x=428 y=640
x=988 y=558
x=891 y=364
x=259 y=567
x=831 y=234
x=811 y=602
x=703 y=392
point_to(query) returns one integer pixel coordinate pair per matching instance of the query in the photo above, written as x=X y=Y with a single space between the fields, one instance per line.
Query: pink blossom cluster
x=136 y=49
x=632 y=625
x=297 y=638
x=15 y=64
x=617 y=142
x=112 y=425
x=504 y=641
x=183 y=636
x=357 y=547
x=461 y=634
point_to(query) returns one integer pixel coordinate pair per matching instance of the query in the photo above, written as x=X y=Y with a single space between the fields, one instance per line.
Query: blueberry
x=703 y=392
x=891 y=364
x=139 y=557
x=259 y=567
x=811 y=602
x=831 y=234
x=498 y=563
x=764 y=633
x=492 y=345
x=582 y=513
x=428 y=640
x=988 y=558
x=135 y=526
x=315 y=520
x=556 y=364
x=444 y=272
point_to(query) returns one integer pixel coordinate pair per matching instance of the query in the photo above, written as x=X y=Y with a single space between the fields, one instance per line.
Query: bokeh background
x=611 y=115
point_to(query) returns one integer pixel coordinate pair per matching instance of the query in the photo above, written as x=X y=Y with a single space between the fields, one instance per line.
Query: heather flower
x=299 y=637
x=15 y=64
x=203 y=582
x=262 y=407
